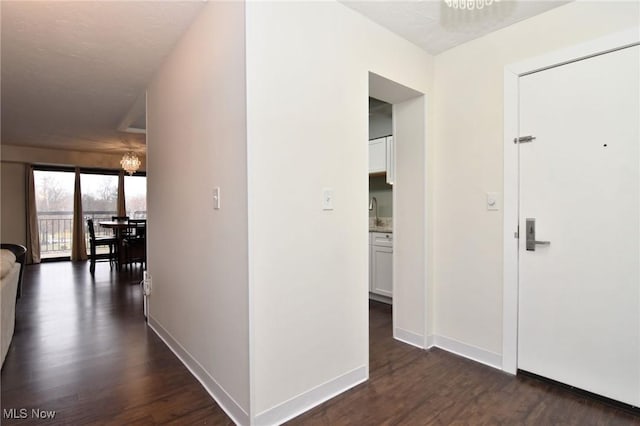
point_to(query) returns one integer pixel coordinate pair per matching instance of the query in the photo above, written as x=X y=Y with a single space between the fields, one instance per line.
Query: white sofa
x=10 y=277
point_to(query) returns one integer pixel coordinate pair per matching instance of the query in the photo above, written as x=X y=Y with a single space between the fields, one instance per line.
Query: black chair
x=134 y=243
x=94 y=242
x=136 y=251
x=140 y=230
x=20 y=252
x=124 y=232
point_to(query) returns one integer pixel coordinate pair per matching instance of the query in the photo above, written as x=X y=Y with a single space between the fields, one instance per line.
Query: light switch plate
x=327 y=199
x=493 y=201
x=216 y=198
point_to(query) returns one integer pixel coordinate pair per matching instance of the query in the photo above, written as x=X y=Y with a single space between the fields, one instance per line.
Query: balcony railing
x=56 y=228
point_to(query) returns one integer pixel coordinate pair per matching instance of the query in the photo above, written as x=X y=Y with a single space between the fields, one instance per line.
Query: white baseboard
x=224 y=400
x=311 y=398
x=321 y=393
x=408 y=337
x=474 y=353
x=431 y=341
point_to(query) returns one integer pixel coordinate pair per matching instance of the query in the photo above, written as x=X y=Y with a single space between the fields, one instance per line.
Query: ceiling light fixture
x=469 y=4
x=130 y=163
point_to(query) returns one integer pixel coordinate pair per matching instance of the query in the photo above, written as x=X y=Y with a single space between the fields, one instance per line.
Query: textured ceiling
x=73 y=71
x=435 y=27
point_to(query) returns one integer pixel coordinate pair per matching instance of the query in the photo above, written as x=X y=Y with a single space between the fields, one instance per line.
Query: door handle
x=531 y=236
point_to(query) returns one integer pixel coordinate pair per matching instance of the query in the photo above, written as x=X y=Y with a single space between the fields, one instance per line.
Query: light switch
x=327 y=199
x=492 y=201
x=216 y=198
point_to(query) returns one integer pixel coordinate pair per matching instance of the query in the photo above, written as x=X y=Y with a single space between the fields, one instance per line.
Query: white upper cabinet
x=378 y=155
x=381 y=157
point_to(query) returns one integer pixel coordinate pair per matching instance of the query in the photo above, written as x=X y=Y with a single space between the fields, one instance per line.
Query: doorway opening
x=380 y=201
x=398 y=207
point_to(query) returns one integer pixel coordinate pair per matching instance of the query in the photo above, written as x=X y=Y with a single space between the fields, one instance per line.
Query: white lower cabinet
x=381 y=264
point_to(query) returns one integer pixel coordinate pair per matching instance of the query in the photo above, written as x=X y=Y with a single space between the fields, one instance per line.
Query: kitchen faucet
x=371 y=203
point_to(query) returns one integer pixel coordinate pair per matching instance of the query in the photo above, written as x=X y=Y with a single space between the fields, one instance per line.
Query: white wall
x=468 y=115
x=197 y=255
x=307 y=109
x=13 y=214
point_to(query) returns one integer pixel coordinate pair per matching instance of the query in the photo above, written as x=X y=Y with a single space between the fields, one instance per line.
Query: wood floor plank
x=81 y=348
x=409 y=386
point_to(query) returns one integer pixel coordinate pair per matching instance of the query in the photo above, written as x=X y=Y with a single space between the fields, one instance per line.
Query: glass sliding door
x=99 y=202
x=54 y=206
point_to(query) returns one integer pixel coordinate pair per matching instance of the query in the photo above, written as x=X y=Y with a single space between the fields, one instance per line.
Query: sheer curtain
x=33 y=233
x=78 y=244
x=122 y=208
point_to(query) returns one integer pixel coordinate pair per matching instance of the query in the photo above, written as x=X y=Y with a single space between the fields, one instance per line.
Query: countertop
x=386 y=229
x=385 y=224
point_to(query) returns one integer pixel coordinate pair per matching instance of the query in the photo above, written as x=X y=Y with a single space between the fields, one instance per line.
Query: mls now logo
x=23 y=413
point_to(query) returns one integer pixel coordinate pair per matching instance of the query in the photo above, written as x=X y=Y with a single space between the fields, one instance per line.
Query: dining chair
x=140 y=230
x=95 y=242
x=135 y=244
x=123 y=231
x=136 y=251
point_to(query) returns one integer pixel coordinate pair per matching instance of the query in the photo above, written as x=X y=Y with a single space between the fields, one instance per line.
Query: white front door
x=579 y=296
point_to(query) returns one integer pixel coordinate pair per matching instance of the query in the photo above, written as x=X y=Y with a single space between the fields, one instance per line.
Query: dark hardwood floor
x=410 y=386
x=81 y=348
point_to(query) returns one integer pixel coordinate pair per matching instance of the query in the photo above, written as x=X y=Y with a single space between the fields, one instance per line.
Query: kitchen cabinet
x=381 y=263
x=381 y=157
x=378 y=155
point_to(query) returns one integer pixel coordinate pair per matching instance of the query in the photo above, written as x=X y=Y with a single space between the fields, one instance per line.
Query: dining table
x=121 y=227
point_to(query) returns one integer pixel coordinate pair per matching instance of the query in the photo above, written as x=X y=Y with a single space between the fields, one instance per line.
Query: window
x=54 y=190
x=99 y=194
x=135 y=195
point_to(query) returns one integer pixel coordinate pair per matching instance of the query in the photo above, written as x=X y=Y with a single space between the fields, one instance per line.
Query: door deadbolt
x=531 y=235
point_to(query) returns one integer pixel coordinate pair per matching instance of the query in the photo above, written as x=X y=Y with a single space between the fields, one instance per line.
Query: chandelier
x=469 y=4
x=130 y=163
